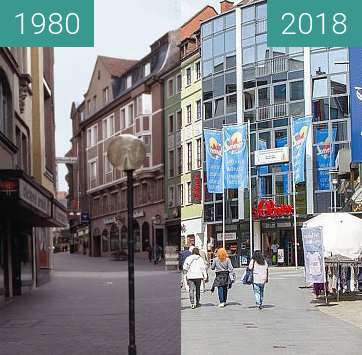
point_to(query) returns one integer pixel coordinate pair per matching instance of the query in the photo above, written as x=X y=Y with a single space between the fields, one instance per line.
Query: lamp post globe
x=126 y=152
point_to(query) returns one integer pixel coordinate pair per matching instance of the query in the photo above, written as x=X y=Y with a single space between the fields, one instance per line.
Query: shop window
x=320 y=110
x=230 y=41
x=339 y=107
x=230 y=83
x=319 y=63
x=207 y=49
x=249 y=99
x=219 y=64
x=320 y=87
x=218 y=24
x=219 y=107
x=338 y=61
x=296 y=89
x=248 y=14
x=338 y=84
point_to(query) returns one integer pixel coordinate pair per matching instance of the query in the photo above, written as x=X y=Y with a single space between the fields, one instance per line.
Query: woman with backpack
x=224 y=275
x=260 y=272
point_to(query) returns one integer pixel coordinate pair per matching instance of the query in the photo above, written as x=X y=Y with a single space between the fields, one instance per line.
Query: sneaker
x=221 y=305
x=260 y=306
x=198 y=305
x=193 y=306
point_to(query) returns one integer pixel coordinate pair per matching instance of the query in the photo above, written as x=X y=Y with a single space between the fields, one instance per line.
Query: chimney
x=226 y=5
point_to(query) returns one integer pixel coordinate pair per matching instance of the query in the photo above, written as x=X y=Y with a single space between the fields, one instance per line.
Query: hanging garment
x=351 y=281
x=360 y=279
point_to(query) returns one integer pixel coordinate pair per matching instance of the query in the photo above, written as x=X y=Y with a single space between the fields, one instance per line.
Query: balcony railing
x=272 y=111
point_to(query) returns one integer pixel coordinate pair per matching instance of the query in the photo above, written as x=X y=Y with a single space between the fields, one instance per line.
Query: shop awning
x=25 y=200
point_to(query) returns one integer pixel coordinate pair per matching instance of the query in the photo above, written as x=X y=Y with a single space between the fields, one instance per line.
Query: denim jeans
x=259 y=293
x=194 y=287
x=223 y=293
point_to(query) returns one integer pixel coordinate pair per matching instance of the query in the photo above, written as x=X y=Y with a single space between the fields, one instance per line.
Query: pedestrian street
x=292 y=322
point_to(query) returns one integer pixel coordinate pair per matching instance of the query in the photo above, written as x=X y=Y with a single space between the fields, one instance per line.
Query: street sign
x=84 y=218
x=272 y=156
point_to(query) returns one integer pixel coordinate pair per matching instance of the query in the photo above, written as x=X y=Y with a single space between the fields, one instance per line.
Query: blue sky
x=115 y=35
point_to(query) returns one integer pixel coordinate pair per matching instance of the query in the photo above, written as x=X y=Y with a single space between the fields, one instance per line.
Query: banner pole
x=294 y=198
x=250 y=197
x=223 y=192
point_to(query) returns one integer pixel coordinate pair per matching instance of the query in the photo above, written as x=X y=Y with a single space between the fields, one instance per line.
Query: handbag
x=247 y=278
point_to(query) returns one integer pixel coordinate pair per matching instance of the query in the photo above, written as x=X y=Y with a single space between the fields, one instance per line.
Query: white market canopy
x=342 y=234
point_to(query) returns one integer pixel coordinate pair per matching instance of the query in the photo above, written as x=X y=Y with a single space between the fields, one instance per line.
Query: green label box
x=47 y=23
x=314 y=23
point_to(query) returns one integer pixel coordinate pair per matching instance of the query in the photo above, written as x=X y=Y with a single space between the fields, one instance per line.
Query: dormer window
x=147 y=69
x=129 y=81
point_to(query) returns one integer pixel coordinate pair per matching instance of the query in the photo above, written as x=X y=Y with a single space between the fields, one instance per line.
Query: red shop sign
x=268 y=209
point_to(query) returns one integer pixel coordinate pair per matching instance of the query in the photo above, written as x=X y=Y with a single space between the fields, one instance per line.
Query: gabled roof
x=116 y=66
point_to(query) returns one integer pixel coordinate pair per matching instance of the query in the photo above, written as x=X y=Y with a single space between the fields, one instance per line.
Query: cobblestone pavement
x=84 y=311
x=290 y=323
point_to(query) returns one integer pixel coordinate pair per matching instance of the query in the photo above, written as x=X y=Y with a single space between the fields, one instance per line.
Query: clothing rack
x=337 y=261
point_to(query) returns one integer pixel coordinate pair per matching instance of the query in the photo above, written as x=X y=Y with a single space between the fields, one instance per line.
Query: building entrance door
x=97 y=246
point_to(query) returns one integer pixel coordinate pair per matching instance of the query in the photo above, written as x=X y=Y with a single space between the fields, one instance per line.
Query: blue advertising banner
x=235 y=156
x=301 y=129
x=213 y=149
x=355 y=80
x=325 y=156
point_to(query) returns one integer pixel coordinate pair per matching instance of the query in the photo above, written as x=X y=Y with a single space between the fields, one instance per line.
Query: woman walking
x=259 y=267
x=223 y=269
x=195 y=269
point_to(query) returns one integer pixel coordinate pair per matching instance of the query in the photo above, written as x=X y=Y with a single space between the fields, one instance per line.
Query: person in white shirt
x=260 y=276
x=195 y=269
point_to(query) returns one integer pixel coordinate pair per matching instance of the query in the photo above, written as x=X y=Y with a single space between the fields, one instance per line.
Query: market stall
x=333 y=253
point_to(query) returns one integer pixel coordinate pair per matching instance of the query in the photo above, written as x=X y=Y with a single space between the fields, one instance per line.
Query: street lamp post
x=127 y=153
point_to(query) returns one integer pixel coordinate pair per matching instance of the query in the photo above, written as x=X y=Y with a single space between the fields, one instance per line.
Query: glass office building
x=246 y=81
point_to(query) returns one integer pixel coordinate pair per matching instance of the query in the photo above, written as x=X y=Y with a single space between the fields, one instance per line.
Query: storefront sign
x=138 y=213
x=355 y=81
x=8 y=188
x=313 y=255
x=280 y=256
x=60 y=216
x=34 y=198
x=196 y=187
x=228 y=236
x=268 y=209
x=109 y=220
x=84 y=218
x=272 y=156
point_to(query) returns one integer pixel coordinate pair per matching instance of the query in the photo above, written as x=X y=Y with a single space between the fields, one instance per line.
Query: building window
x=123 y=119
x=171 y=163
x=170 y=91
x=92 y=136
x=198 y=110
x=4 y=107
x=105 y=95
x=94 y=103
x=189 y=193
x=181 y=194
x=93 y=173
x=107 y=166
x=108 y=127
x=130 y=115
x=198 y=70
x=188 y=114
x=188 y=77
x=178 y=83
x=198 y=153
x=170 y=124
x=179 y=120
x=129 y=81
x=171 y=196
x=179 y=160
x=189 y=156
x=89 y=106
x=147 y=69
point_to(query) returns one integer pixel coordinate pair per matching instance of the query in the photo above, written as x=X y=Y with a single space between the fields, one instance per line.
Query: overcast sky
x=121 y=30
